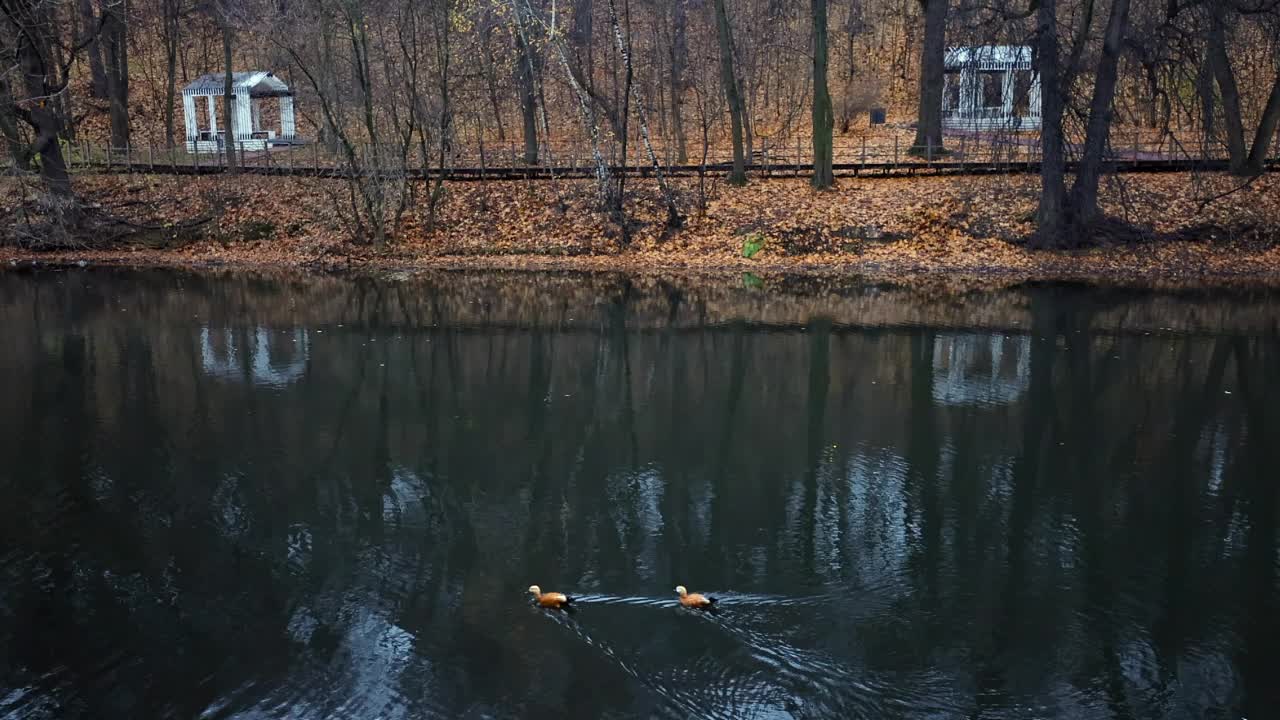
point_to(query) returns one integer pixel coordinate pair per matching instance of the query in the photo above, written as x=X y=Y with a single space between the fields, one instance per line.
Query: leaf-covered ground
x=1194 y=228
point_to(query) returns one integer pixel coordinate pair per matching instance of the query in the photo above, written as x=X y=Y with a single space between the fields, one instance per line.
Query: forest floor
x=1203 y=229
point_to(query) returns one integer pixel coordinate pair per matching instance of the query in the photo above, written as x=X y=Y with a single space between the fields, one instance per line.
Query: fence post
x=195 y=154
x=128 y=157
x=895 y=151
x=798 y=156
x=928 y=152
x=290 y=160
x=864 y=152
x=315 y=154
x=151 y=160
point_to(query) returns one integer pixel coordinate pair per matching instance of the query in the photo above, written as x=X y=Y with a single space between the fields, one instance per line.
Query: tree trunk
x=171 y=38
x=1051 y=216
x=679 y=57
x=1266 y=131
x=1153 y=95
x=932 y=57
x=97 y=71
x=19 y=154
x=327 y=81
x=525 y=78
x=1084 y=193
x=1208 y=101
x=586 y=112
x=732 y=93
x=624 y=49
x=823 y=117
x=34 y=56
x=1221 y=65
x=116 y=51
x=228 y=96
x=491 y=82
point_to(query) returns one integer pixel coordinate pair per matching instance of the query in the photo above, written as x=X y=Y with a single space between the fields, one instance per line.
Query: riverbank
x=874 y=227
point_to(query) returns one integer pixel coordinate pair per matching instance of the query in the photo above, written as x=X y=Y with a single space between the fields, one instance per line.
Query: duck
x=694 y=600
x=554 y=600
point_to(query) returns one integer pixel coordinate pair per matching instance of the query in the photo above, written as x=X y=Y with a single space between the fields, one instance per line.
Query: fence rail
x=972 y=153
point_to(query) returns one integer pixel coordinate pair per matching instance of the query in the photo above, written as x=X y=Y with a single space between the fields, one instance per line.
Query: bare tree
x=624 y=50
x=679 y=57
x=932 y=58
x=170 y=33
x=89 y=23
x=115 y=46
x=823 y=116
x=31 y=26
x=1067 y=220
x=1246 y=160
x=528 y=60
x=732 y=93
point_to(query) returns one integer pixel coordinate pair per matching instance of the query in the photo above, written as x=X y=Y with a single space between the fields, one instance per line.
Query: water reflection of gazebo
x=980 y=369
x=262 y=358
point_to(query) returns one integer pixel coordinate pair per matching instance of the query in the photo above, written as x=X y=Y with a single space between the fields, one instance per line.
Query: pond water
x=230 y=496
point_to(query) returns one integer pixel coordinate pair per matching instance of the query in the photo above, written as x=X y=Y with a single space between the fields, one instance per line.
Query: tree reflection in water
x=243 y=497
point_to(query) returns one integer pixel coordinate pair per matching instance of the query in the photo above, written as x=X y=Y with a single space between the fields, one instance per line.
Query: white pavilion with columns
x=991 y=87
x=203 y=98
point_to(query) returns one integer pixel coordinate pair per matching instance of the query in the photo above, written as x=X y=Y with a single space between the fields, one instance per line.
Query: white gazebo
x=250 y=89
x=991 y=87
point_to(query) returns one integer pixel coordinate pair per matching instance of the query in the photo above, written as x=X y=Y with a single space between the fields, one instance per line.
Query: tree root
x=44 y=221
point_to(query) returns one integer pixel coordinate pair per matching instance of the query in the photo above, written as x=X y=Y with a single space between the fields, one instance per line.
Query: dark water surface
x=231 y=496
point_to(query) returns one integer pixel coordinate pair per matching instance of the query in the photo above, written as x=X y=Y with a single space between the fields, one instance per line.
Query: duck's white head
x=681 y=591
x=535 y=589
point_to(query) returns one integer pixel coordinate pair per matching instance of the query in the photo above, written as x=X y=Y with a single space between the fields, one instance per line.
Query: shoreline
x=925 y=230
x=1115 y=275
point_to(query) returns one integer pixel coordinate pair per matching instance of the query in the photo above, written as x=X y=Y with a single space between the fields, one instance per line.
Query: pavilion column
x=287 y=128
x=244 y=116
x=1006 y=93
x=213 y=116
x=189 y=117
x=1035 y=97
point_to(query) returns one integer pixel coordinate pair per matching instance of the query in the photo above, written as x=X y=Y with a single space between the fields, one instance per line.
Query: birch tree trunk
x=624 y=50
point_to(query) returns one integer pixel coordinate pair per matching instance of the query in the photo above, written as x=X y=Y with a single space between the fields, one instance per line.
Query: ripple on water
x=758 y=673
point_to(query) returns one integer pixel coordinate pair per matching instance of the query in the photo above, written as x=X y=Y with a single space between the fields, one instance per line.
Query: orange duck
x=552 y=600
x=694 y=600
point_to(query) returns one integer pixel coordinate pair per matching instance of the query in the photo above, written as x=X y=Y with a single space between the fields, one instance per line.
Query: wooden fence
x=971 y=153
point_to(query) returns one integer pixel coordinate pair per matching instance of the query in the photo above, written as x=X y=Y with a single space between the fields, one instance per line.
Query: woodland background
x=388 y=86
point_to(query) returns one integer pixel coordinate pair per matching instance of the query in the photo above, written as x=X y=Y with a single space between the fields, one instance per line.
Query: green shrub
x=753 y=244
